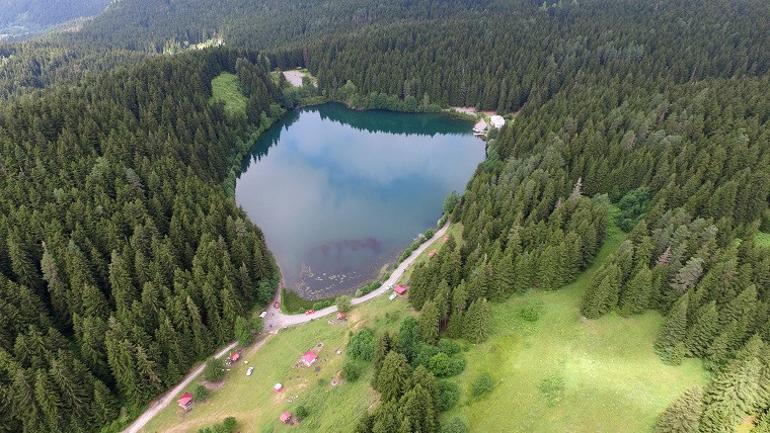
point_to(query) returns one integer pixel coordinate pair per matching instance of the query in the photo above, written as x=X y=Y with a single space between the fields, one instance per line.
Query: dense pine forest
x=124 y=259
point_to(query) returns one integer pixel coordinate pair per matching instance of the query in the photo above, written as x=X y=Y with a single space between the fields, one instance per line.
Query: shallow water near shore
x=340 y=193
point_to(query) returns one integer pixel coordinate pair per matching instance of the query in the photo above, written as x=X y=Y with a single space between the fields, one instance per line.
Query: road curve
x=275 y=321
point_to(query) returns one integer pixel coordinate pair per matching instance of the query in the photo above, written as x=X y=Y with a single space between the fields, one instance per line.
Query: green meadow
x=226 y=89
x=553 y=371
x=556 y=372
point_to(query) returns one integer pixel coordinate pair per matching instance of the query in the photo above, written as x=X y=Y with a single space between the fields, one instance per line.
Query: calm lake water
x=339 y=193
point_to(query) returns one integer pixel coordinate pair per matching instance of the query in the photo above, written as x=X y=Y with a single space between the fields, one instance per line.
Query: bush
x=531 y=311
x=200 y=393
x=301 y=412
x=455 y=425
x=320 y=305
x=246 y=329
x=450 y=202
x=450 y=347
x=343 y=303
x=552 y=389
x=361 y=345
x=442 y=365
x=482 y=385
x=351 y=371
x=227 y=426
x=369 y=287
x=215 y=370
x=448 y=395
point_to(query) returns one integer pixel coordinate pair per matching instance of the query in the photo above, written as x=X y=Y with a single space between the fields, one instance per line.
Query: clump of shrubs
x=448 y=395
x=482 y=385
x=351 y=371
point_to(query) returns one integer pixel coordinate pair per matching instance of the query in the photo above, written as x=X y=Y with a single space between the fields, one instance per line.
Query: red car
x=309 y=311
x=276 y=304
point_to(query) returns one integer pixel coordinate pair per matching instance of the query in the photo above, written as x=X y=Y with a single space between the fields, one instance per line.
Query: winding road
x=274 y=322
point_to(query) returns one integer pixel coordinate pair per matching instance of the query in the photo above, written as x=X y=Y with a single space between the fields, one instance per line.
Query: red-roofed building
x=235 y=356
x=309 y=358
x=401 y=290
x=286 y=417
x=185 y=401
x=341 y=315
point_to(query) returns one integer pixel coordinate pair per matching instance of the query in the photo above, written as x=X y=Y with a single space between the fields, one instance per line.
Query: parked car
x=311 y=311
x=276 y=304
x=249 y=371
x=263 y=314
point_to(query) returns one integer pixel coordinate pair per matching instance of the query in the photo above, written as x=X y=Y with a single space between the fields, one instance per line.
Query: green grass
x=564 y=373
x=554 y=371
x=763 y=239
x=225 y=88
x=251 y=398
x=292 y=303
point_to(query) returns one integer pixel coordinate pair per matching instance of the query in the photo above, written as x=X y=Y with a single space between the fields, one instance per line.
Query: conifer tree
x=703 y=331
x=683 y=415
x=393 y=377
x=602 y=295
x=429 y=323
x=673 y=330
x=636 y=297
x=476 y=321
x=409 y=338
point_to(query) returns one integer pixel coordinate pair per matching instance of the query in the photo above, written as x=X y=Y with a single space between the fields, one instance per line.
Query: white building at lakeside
x=497 y=121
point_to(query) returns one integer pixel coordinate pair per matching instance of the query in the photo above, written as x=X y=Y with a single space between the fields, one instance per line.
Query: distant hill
x=19 y=17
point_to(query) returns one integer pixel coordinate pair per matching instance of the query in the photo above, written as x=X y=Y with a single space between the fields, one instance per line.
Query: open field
x=225 y=88
x=562 y=373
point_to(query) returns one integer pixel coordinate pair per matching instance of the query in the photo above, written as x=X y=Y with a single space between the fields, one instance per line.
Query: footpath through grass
x=225 y=88
x=563 y=373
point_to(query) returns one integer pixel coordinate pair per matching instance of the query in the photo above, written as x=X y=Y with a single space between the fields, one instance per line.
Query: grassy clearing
x=763 y=239
x=561 y=372
x=257 y=407
x=225 y=88
x=554 y=373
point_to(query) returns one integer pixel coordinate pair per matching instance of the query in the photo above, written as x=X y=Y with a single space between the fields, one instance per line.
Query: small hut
x=309 y=358
x=400 y=290
x=286 y=417
x=185 y=401
x=341 y=316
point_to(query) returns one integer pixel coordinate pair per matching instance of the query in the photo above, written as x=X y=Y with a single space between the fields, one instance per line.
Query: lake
x=340 y=193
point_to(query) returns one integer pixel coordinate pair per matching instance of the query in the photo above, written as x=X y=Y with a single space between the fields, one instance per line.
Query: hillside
x=21 y=17
x=608 y=267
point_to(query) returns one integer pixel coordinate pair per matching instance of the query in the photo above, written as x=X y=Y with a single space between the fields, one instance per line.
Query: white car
x=263 y=314
x=249 y=371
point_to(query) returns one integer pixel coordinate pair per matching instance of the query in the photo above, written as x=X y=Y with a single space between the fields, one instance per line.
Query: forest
x=123 y=259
